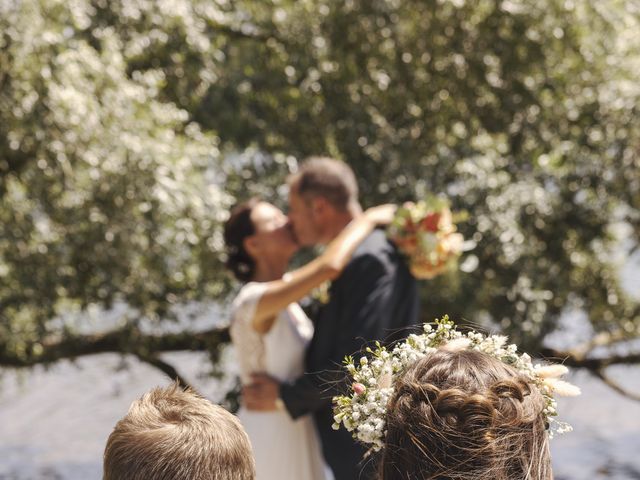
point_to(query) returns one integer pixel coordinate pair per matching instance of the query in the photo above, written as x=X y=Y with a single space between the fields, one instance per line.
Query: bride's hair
x=462 y=415
x=238 y=227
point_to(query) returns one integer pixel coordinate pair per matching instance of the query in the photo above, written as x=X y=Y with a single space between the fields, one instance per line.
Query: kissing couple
x=290 y=364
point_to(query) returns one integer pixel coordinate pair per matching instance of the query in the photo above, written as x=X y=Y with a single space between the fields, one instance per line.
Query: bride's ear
x=250 y=245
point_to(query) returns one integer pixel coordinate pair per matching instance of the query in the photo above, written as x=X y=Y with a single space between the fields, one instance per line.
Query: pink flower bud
x=358 y=388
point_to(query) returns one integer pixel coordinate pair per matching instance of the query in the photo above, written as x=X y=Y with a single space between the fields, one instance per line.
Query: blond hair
x=175 y=434
x=465 y=415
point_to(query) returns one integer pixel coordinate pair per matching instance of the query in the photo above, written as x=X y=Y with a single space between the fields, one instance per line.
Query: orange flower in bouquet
x=426 y=234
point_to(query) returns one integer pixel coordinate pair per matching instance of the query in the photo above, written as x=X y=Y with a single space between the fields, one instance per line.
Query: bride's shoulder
x=247 y=297
x=249 y=291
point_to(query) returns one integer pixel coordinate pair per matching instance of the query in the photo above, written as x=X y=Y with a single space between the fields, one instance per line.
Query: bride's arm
x=296 y=284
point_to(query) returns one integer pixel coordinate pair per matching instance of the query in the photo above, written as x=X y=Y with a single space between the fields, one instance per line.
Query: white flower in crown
x=363 y=412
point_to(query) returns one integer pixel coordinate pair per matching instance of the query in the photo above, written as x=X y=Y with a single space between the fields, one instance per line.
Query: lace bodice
x=279 y=352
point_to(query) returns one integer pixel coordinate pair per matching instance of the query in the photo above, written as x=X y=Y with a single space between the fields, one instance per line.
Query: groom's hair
x=328 y=178
x=174 y=434
x=465 y=415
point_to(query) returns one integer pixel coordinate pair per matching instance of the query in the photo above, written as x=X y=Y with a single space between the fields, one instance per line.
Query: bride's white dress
x=283 y=448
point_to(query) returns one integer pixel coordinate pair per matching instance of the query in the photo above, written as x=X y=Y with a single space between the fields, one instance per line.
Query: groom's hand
x=262 y=393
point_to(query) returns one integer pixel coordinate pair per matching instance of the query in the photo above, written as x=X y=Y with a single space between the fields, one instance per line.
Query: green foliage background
x=128 y=129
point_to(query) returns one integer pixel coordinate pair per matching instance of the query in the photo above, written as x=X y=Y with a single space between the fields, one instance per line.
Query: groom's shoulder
x=376 y=256
x=375 y=245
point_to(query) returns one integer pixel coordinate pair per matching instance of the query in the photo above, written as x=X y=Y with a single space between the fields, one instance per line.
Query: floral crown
x=363 y=412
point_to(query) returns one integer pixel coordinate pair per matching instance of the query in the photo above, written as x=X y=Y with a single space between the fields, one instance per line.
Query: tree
x=108 y=193
x=524 y=113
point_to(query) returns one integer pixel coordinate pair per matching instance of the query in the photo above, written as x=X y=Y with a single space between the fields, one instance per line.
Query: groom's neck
x=339 y=222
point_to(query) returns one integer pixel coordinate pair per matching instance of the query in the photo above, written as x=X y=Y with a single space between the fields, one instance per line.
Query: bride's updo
x=238 y=227
x=464 y=415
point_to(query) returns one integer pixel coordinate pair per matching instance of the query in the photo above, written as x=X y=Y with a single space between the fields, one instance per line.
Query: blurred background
x=128 y=128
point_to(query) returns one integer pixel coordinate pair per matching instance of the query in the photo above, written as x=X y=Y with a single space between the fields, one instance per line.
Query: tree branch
x=166 y=368
x=570 y=359
x=147 y=347
x=596 y=366
x=602 y=339
x=128 y=339
x=602 y=375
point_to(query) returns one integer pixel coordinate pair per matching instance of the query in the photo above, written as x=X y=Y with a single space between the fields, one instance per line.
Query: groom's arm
x=361 y=316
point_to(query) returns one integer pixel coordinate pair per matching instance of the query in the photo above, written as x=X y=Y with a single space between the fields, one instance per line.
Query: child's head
x=465 y=415
x=171 y=434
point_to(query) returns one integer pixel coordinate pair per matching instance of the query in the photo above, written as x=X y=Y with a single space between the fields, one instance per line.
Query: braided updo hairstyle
x=238 y=227
x=464 y=415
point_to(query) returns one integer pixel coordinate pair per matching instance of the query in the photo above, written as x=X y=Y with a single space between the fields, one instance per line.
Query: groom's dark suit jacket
x=375 y=298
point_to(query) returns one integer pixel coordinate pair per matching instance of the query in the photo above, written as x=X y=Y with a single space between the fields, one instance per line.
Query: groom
x=375 y=298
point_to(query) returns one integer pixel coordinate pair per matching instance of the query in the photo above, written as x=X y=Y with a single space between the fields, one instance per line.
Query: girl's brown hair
x=464 y=415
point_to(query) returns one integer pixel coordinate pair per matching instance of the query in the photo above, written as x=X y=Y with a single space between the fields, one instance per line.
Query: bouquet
x=425 y=233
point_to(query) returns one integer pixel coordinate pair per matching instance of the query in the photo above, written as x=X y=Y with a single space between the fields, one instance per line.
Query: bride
x=270 y=331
